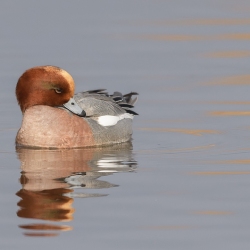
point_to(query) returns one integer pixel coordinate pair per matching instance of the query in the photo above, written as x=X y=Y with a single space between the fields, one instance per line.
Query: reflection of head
x=45 y=205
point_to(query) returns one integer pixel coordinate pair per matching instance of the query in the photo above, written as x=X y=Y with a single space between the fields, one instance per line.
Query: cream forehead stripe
x=69 y=79
x=64 y=74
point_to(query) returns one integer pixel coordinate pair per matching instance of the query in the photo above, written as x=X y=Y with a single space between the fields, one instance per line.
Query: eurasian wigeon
x=53 y=117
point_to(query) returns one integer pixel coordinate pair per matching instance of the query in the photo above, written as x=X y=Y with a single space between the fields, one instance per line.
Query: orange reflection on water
x=178 y=120
x=196 y=132
x=168 y=37
x=231 y=80
x=233 y=36
x=229 y=102
x=216 y=22
x=229 y=113
x=195 y=22
x=182 y=37
x=203 y=21
x=240 y=161
x=228 y=54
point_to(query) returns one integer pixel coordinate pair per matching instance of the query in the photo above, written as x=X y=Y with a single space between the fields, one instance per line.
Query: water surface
x=183 y=181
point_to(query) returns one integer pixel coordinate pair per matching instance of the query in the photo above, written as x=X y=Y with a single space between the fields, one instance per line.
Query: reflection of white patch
x=111 y=162
x=107 y=171
x=110 y=120
x=115 y=164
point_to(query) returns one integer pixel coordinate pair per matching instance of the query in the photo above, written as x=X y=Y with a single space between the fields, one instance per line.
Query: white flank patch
x=110 y=120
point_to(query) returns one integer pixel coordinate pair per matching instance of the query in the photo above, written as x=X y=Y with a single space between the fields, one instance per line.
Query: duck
x=54 y=117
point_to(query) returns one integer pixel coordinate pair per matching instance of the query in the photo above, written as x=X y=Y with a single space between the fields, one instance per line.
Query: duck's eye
x=58 y=90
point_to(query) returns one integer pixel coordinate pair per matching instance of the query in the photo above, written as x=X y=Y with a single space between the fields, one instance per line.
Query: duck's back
x=109 y=116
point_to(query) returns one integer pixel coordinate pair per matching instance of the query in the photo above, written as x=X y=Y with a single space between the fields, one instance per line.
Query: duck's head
x=47 y=85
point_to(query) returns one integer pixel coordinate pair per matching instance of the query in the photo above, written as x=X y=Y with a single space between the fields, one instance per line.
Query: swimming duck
x=55 y=117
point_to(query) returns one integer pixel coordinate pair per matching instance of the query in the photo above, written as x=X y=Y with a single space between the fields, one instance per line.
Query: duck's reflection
x=51 y=179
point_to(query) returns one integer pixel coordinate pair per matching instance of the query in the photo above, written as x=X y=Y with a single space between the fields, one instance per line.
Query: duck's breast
x=49 y=127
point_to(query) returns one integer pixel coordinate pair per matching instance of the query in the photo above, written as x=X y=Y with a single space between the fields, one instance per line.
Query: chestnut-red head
x=44 y=85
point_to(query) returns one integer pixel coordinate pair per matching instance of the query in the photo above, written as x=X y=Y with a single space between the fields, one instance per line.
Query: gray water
x=184 y=181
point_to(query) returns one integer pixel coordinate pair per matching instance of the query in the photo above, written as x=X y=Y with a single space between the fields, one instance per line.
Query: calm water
x=184 y=181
